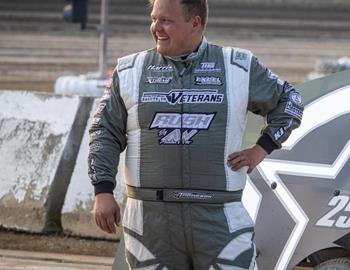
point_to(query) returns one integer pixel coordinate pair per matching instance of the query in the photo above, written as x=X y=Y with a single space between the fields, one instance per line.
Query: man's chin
x=162 y=50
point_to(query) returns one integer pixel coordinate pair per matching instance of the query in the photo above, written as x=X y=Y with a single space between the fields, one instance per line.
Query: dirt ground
x=10 y=239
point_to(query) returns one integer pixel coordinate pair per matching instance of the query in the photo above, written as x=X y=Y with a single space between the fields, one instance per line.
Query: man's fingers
x=250 y=157
x=107 y=222
x=238 y=161
x=234 y=160
x=111 y=223
x=233 y=155
x=250 y=169
x=239 y=165
x=107 y=212
x=117 y=217
x=105 y=226
x=97 y=221
x=101 y=222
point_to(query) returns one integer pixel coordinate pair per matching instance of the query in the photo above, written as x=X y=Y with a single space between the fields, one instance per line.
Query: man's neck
x=191 y=52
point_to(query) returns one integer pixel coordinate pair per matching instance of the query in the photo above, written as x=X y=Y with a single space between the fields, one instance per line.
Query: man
x=180 y=109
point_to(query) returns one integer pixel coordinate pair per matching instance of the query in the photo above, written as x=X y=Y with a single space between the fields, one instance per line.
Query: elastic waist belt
x=183 y=195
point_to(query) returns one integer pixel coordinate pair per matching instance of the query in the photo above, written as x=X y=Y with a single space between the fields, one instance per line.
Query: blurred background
x=289 y=36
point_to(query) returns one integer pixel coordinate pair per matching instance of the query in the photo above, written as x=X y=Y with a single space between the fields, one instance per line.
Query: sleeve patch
x=291 y=109
x=282 y=131
x=100 y=108
x=296 y=99
x=106 y=94
x=96 y=121
x=96 y=147
x=279 y=134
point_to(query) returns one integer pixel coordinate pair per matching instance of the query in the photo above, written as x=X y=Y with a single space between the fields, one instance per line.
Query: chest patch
x=184 y=96
x=180 y=128
x=205 y=67
x=208 y=80
x=158 y=80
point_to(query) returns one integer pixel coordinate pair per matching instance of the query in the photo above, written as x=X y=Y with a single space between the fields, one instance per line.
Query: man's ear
x=197 y=22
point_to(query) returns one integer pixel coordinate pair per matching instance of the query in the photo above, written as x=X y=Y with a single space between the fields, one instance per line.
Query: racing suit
x=179 y=119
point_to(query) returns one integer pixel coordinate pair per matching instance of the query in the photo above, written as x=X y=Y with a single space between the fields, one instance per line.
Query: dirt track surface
x=28 y=260
x=64 y=244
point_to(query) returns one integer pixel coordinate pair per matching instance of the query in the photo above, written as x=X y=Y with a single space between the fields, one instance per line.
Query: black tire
x=334 y=264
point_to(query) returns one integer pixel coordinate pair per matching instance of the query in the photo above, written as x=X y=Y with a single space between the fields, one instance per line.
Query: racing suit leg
x=154 y=236
x=222 y=236
x=188 y=236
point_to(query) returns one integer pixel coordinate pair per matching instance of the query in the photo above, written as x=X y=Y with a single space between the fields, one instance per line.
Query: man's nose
x=157 y=25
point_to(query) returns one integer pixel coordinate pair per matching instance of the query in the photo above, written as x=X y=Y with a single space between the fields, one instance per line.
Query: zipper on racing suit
x=184 y=71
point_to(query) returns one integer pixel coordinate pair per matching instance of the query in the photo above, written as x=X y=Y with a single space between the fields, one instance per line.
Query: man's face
x=171 y=31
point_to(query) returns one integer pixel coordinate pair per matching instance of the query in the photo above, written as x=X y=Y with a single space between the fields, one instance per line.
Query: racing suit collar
x=193 y=55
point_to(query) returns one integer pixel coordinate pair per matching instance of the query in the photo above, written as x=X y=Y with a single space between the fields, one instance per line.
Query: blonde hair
x=192 y=8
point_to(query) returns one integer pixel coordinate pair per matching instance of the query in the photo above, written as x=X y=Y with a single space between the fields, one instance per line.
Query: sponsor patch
x=92 y=173
x=207 y=67
x=241 y=56
x=106 y=95
x=94 y=134
x=191 y=196
x=96 y=147
x=158 y=80
x=240 y=59
x=100 y=108
x=178 y=128
x=160 y=68
x=287 y=87
x=279 y=134
x=96 y=120
x=293 y=110
x=296 y=99
x=208 y=80
x=183 y=96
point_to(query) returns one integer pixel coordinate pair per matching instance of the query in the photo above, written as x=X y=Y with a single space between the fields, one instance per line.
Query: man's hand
x=250 y=157
x=106 y=212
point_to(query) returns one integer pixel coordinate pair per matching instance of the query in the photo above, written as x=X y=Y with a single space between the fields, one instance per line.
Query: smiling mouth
x=162 y=38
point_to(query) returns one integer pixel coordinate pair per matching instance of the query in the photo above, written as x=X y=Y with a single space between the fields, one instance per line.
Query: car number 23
x=339 y=215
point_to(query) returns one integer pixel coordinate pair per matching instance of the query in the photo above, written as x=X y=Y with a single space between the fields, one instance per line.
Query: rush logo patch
x=180 y=128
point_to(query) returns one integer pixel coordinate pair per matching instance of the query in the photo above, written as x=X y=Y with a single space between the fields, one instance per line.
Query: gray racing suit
x=179 y=119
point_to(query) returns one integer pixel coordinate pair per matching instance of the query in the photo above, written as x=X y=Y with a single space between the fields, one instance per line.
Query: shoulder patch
x=126 y=62
x=240 y=58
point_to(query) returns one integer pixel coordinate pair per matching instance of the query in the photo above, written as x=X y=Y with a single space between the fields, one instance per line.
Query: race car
x=300 y=195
